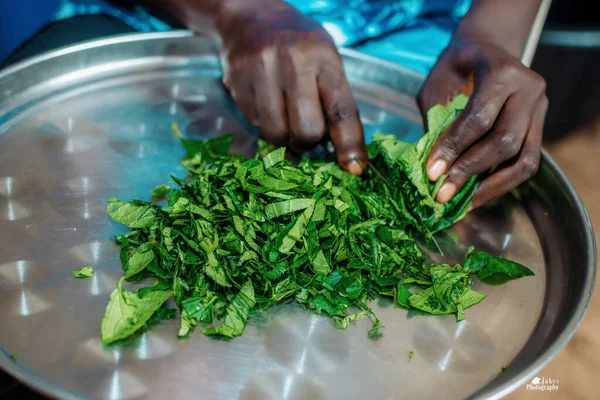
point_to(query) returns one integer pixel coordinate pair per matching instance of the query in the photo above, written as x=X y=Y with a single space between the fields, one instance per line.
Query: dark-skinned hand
x=286 y=76
x=501 y=125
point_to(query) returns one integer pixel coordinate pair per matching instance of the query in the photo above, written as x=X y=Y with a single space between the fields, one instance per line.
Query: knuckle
x=479 y=120
x=265 y=57
x=529 y=166
x=508 y=145
x=508 y=72
x=450 y=146
x=461 y=170
x=324 y=49
x=274 y=133
x=310 y=134
x=340 y=112
x=540 y=83
x=234 y=63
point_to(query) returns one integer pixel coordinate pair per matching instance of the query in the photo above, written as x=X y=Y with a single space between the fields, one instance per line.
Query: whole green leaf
x=131 y=214
x=495 y=270
x=126 y=312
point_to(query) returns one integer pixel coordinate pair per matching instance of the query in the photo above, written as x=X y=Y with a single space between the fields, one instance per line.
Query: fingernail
x=446 y=192
x=436 y=170
x=354 y=168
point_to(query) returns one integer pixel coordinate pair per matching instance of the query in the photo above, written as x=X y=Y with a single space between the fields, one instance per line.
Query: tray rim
x=47 y=388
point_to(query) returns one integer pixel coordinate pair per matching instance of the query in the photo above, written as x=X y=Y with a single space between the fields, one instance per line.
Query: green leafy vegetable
x=161 y=191
x=14 y=356
x=403 y=296
x=411 y=354
x=494 y=270
x=404 y=166
x=241 y=235
x=207 y=150
x=83 y=272
x=134 y=214
x=236 y=314
x=127 y=312
x=139 y=260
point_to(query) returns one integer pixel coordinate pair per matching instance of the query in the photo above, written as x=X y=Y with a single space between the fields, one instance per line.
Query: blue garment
x=411 y=33
x=19 y=20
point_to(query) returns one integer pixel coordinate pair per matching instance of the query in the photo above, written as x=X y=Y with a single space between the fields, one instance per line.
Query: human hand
x=286 y=75
x=501 y=125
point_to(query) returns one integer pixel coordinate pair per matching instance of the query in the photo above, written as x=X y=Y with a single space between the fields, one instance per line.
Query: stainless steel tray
x=92 y=121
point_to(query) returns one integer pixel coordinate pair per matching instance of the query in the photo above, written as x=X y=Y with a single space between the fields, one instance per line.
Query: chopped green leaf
x=83 y=272
x=403 y=296
x=238 y=236
x=237 y=314
x=139 y=260
x=274 y=157
x=161 y=191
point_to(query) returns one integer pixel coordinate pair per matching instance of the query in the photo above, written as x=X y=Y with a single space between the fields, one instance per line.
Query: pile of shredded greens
x=240 y=235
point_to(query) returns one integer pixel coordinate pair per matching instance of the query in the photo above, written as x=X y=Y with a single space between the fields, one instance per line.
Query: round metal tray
x=91 y=121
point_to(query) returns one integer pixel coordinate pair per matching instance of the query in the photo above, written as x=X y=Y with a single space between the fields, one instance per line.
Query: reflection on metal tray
x=93 y=121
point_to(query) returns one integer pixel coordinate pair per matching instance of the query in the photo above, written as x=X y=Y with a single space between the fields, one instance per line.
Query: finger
x=343 y=121
x=476 y=120
x=242 y=91
x=245 y=102
x=305 y=115
x=526 y=165
x=503 y=143
x=269 y=98
x=270 y=105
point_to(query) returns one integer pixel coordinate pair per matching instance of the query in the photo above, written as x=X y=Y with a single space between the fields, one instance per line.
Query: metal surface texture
x=92 y=121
